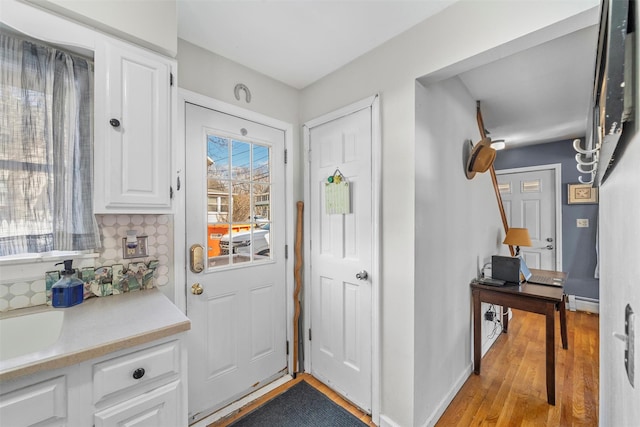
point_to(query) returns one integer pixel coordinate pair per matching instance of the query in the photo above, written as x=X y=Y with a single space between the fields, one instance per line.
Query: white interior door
x=235 y=202
x=341 y=251
x=529 y=200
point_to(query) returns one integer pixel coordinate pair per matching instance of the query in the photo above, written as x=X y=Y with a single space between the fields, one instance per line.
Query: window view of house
x=239 y=208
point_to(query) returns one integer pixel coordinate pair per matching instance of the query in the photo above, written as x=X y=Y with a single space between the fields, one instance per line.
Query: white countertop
x=100 y=326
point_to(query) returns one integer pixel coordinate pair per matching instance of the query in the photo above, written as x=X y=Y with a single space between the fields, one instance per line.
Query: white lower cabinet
x=142 y=386
x=155 y=408
x=42 y=403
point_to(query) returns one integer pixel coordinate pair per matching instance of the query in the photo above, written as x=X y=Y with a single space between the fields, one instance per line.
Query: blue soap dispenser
x=69 y=290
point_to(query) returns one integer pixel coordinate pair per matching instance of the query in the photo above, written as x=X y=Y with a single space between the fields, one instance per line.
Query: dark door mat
x=300 y=406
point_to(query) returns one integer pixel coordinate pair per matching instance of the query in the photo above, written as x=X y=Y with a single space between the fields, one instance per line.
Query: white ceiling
x=538 y=95
x=298 y=42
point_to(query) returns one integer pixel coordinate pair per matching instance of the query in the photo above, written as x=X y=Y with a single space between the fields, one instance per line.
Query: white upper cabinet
x=132 y=141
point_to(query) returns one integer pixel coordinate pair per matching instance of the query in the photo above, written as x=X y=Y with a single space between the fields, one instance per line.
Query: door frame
x=556 y=168
x=179 y=199
x=372 y=102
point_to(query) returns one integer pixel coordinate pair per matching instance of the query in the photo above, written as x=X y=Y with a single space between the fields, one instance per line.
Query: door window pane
x=239 y=201
x=531 y=186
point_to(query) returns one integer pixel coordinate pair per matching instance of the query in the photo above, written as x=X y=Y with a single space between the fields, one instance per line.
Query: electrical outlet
x=140 y=251
x=582 y=222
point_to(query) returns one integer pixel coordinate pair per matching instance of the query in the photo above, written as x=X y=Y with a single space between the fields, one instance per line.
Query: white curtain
x=46 y=149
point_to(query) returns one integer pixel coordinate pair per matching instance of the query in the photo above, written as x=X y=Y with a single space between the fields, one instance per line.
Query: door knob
x=196 y=289
x=362 y=275
x=549 y=247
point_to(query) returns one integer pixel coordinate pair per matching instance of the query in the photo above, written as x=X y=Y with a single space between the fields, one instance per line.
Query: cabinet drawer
x=34 y=404
x=157 y=408
x=135 y=369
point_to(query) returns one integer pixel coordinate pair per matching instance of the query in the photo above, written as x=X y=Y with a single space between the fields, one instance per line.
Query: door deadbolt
x=196 y=258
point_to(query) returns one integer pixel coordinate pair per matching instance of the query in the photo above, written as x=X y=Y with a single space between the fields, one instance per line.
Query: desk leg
x=562 y=307
x=505 y=319
x=551 y=354
x=477 y=331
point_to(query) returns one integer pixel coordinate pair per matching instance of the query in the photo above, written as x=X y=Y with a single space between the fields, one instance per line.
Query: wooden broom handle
x=494 y=179
x=297 y=272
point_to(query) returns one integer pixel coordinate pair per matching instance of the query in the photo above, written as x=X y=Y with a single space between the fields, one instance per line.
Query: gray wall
x=578 y=244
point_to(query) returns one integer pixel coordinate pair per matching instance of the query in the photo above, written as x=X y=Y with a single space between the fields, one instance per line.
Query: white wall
x=153 y=24
x=619 y=232
x=212 y=75
x=462 y=31
x=619 y=286
x=458 y=218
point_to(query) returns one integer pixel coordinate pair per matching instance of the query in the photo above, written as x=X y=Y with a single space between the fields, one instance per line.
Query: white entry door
x=235 y=202
x=529 y=200
x=341 y=257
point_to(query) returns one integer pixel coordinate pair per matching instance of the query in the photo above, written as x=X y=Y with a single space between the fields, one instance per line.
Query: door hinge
x=309 y=334
x=170 y=192
x=170 y=79
x=287 y=348
x=285 y=156
x=286 y=251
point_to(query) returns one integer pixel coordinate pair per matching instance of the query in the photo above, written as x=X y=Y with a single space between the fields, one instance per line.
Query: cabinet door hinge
x=170 y=79
x=309 y=334
x=286 y=251
x=287 y=348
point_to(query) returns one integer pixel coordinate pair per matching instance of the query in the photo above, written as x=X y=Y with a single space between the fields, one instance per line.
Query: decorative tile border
x=31 y=291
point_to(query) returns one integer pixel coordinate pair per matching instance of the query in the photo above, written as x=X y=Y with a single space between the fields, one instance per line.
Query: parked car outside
x=241 y=241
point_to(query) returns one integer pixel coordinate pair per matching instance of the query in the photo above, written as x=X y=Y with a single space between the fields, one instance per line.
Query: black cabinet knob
x=114 y=122
x=138 y=373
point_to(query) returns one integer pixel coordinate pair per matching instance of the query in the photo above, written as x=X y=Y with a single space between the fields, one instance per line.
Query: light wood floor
x=511 y=388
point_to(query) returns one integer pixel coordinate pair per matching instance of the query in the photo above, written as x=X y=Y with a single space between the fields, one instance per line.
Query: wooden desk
x=539 y=299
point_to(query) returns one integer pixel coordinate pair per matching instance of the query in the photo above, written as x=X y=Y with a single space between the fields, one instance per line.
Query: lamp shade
x=517 y=237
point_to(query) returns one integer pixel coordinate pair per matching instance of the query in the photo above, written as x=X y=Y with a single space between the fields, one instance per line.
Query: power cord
x=492 y=315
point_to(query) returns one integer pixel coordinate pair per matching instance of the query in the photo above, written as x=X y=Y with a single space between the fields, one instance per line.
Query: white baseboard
x=387 y=422
x=587 y=304
x=453 y=391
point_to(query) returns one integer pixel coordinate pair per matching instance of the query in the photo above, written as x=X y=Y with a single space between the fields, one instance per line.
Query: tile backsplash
x=30 y=290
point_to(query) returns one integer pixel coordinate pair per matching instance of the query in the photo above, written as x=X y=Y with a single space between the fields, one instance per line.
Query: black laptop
x=514 y=270
x=506 y=268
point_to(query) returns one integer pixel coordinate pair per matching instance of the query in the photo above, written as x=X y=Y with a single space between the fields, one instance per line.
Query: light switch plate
x=582 y=222
x=140 y=251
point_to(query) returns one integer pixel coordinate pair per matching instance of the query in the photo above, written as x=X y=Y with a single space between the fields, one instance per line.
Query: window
x=239 y=201
x=46 y=149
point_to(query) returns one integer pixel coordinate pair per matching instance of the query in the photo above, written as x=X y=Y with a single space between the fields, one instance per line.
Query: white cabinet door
x=157 y=408
x=42 y=403
x=132 y=129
